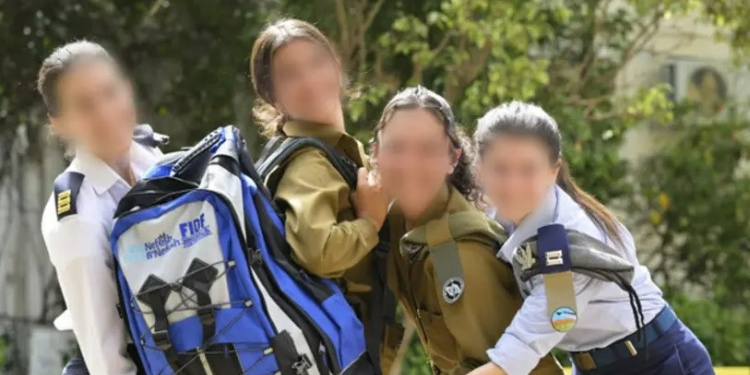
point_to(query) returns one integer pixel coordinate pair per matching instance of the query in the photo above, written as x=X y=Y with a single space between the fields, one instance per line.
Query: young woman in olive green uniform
x=442 y=265
x=331 y=230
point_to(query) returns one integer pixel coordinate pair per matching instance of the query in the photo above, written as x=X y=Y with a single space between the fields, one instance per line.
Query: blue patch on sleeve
x=553 y=249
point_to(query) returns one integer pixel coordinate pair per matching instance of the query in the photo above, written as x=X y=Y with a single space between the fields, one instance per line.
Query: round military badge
x=564 y=319
x=452 y=289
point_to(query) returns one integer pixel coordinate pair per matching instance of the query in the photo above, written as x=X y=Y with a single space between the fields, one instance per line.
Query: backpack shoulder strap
x=270 y=146
x=382 y=311
x=280 y=155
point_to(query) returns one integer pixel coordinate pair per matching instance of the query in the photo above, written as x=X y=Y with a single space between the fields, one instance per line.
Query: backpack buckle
x=255 y=257
x=302 y=365
x=206 y=314
x=162 y=341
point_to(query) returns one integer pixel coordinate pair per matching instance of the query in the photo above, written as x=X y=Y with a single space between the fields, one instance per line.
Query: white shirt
x=79 y=248
x=604 y=312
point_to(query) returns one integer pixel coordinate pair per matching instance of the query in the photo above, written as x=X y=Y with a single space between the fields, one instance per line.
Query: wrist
x=377 y=224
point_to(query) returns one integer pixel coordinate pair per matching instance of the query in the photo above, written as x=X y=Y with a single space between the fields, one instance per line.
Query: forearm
x=338 y=249
x=489 y=369
x=91 y=296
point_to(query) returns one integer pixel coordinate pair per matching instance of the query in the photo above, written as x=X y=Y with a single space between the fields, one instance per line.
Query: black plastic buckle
x=255 y=257
x=302 y=365
x=206 y=314
x=162 y=341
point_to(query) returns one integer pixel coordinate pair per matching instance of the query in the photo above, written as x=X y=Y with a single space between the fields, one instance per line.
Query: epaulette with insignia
x=555 y=253
x=67 y=186
x=145 y=135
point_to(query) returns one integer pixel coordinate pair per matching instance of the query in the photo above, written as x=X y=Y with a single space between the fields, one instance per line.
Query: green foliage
x=415 y=361
x=724 y=331
x=694 y=197
x=2 y=353
x=189 y=66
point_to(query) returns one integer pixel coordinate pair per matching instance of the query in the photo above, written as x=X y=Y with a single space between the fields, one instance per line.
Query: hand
x=488 y=369
x=370 y=201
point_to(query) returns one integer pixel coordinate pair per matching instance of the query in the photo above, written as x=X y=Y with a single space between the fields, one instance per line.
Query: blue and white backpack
x=206 y=281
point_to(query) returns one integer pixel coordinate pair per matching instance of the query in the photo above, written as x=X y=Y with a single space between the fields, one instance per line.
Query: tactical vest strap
x=449 y=275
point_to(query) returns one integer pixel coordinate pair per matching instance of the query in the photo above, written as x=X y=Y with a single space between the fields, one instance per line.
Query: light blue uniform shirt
x=604 y=312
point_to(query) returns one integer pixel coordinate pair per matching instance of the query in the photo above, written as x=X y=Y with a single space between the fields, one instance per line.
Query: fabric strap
x=554 y=254
x=449 y=275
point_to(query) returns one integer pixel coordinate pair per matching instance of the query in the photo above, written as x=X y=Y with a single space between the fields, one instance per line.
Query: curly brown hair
x=418 y=97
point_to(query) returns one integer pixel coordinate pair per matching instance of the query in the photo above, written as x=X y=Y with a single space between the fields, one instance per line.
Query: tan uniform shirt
x=326 y=237
x=455 y=336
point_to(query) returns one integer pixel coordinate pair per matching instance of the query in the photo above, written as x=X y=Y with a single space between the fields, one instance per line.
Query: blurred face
x=516 y=174
x=307 y=82
x=96 y=108
x=414 y=158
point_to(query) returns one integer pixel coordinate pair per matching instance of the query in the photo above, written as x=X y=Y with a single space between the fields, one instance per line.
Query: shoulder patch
x=67 y=186
x=453 y=288
x=553 y=249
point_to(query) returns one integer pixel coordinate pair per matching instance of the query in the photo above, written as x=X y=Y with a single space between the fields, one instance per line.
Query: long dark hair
x=419 y=97
x=526 y=119
x=273 y=37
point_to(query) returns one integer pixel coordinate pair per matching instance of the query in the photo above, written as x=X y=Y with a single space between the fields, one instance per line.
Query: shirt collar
x=436 y=207
x=329 y=134
x=101 y=176
x=448 y=200
x=544 y=215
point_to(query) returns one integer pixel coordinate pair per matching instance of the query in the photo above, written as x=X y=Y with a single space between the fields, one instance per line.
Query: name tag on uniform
x=553 y=253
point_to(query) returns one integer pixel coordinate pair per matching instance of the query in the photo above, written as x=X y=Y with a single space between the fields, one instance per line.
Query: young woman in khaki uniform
x=442 y=265
x=331 y=230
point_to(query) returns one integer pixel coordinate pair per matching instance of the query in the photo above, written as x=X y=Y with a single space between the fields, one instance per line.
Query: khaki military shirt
x=326 y=237
x=455 y=335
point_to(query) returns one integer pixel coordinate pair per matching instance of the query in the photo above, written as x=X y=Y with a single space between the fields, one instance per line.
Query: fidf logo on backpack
x=191 y=232
x=194 y=231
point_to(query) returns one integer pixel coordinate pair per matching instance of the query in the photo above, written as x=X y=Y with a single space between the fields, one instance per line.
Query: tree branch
x=468 y=72
x=344 y=40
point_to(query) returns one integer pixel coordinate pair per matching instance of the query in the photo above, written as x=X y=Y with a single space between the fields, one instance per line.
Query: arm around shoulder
x=491 y=301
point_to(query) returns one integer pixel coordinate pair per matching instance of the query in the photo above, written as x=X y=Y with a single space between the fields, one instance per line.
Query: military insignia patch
x=67 y=186
x=525 y=257
x=564 y=319
x=453 y=289
x=63 y=202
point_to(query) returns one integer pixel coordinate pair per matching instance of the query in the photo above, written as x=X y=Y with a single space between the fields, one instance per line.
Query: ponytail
x=602 y=216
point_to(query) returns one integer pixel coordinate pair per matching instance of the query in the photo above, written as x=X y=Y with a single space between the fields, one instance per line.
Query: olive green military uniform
x=459 y=296
x=326 y=237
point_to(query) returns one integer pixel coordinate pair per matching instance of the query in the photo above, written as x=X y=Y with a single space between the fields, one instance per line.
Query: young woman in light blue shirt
x=524 y=176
